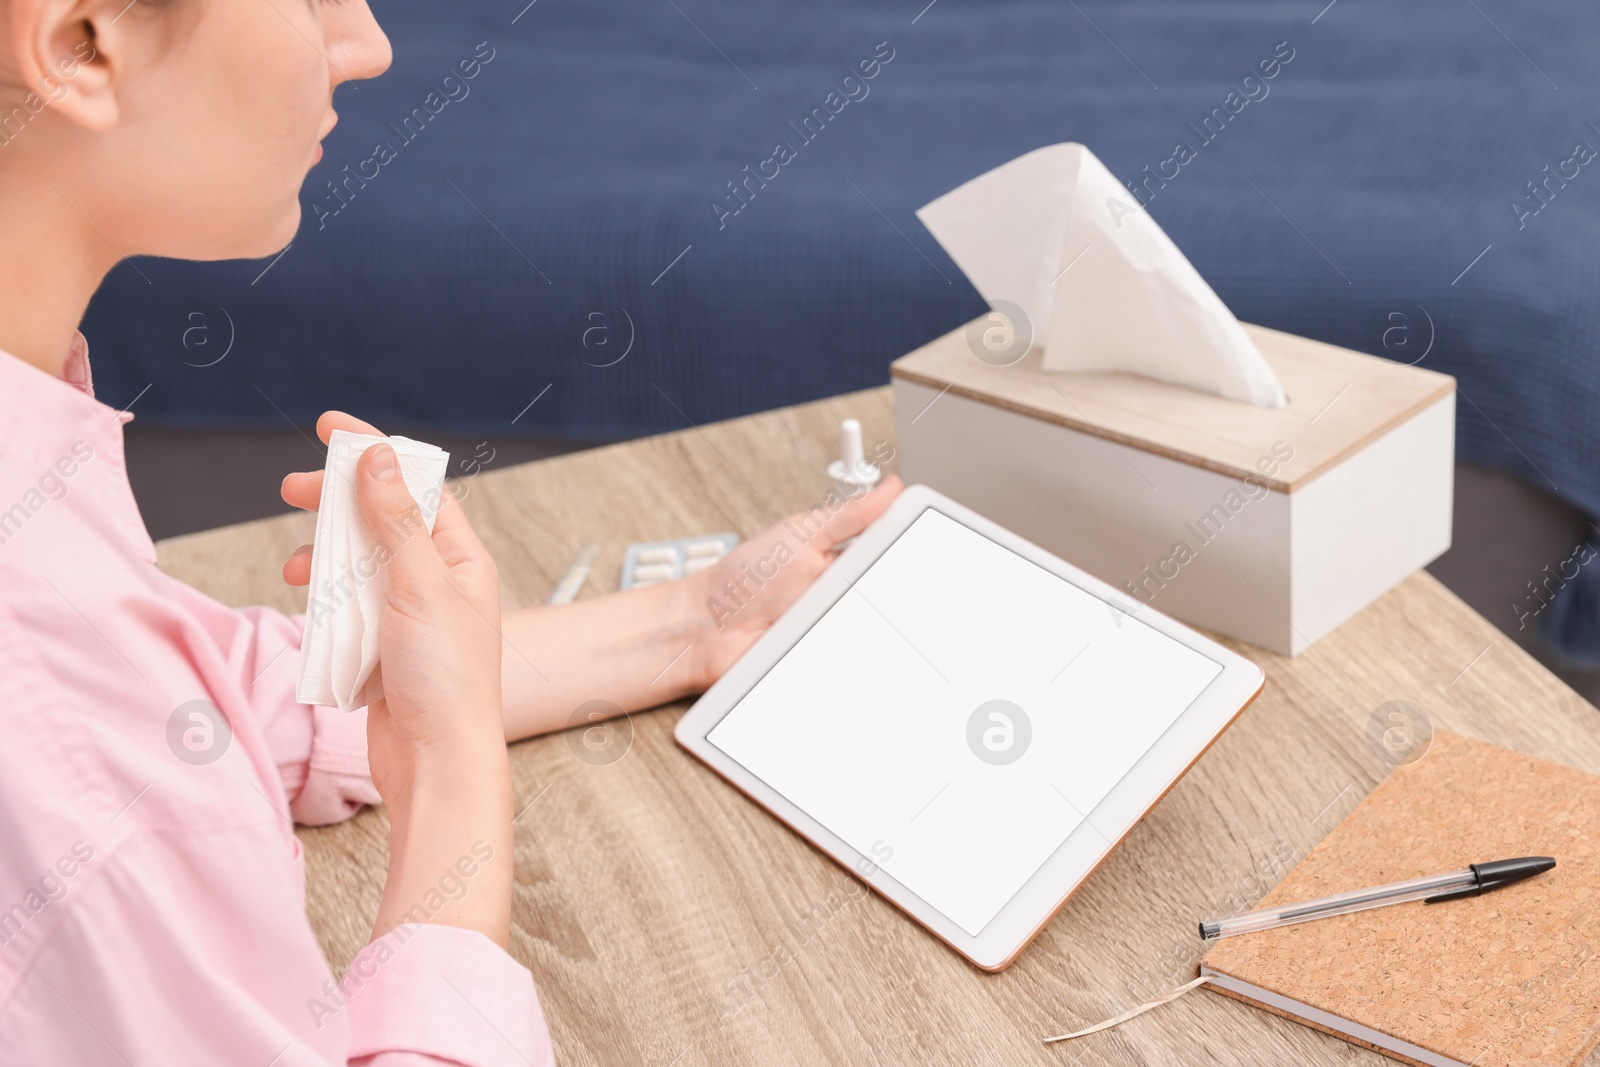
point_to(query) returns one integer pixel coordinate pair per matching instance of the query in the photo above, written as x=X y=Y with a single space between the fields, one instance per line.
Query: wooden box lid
x=1339 y=401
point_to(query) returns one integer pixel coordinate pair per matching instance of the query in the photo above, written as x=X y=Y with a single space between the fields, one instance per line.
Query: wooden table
x=668 y=921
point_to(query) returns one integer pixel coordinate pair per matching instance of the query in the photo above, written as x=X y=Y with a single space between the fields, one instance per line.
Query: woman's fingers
x=338 y=420
x=454 y=542
x=857 y=515
x=403 y=544
x=454 y=537
x=297 y=569
x=303 y=489
x=458 y=544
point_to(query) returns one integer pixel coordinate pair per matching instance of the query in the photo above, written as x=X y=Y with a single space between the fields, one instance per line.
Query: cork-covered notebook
x=1509 y=977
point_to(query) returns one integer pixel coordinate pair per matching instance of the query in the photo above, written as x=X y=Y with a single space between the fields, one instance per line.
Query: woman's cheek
x=281 y=111
x=256 y=79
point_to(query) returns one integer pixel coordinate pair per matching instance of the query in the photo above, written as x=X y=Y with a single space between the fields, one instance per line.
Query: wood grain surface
x=1339 y=402
x=668 y=922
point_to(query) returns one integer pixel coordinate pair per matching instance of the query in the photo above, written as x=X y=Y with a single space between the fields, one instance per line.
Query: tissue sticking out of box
x=1102 y=287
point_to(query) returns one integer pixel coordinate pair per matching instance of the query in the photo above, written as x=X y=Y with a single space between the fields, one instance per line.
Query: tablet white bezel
x=1049 y=888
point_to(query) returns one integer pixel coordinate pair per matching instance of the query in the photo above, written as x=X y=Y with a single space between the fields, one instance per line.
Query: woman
x=151 y=889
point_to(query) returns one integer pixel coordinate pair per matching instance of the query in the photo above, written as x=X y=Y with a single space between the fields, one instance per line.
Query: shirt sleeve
x=321 y=753
x=147 y=963
x=432 y=994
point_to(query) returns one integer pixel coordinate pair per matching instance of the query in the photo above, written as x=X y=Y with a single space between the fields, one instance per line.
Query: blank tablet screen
x=957 y=714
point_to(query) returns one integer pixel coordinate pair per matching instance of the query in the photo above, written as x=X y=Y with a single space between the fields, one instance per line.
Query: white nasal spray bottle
x=851 y=472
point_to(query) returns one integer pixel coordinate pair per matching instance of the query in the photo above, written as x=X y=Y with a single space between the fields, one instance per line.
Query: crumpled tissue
x=349 y=572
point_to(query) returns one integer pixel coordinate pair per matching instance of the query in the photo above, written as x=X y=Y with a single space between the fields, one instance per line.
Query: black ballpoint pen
x=1475 y=879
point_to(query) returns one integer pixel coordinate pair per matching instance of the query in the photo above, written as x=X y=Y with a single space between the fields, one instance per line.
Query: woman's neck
x=52 y=260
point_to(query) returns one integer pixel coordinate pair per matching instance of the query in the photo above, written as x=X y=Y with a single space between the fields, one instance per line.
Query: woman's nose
x=357 y=46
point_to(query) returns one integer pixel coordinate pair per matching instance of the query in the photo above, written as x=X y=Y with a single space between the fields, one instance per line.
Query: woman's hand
x=648 y=646
x=755 y=583
x=436 y=745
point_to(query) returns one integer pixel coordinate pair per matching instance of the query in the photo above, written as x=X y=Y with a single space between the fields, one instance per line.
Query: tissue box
x=1271 y=525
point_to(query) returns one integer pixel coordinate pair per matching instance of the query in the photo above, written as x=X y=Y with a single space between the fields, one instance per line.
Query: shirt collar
x=75 y=372
x=39 y=410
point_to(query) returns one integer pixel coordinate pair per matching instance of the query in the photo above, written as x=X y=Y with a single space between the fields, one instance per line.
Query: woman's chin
x=263 y=240
x=276 y=238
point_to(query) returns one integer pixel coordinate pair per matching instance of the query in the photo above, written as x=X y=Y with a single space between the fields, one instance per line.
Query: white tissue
x=349 y=575
x=1103 y=287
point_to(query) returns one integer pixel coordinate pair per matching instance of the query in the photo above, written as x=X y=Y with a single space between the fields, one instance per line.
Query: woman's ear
x=67 y=55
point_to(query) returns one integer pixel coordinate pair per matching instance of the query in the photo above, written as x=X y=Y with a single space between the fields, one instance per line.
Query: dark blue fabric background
x=1396 y=140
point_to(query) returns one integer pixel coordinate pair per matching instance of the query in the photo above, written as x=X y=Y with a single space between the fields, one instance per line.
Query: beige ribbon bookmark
x=1140 y=1010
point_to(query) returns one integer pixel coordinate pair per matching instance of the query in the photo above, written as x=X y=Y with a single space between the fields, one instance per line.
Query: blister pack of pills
x=665 y=561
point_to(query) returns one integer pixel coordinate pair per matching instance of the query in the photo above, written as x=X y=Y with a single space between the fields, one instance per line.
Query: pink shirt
x=152 y=890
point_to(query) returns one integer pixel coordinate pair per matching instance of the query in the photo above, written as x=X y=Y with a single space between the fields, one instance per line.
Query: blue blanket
x=614 y=218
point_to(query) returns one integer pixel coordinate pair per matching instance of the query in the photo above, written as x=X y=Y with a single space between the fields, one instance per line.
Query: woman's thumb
x=862 y=512
x=392 y=515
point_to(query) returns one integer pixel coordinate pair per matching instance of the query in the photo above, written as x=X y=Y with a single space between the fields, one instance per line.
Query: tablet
x=964 y=721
